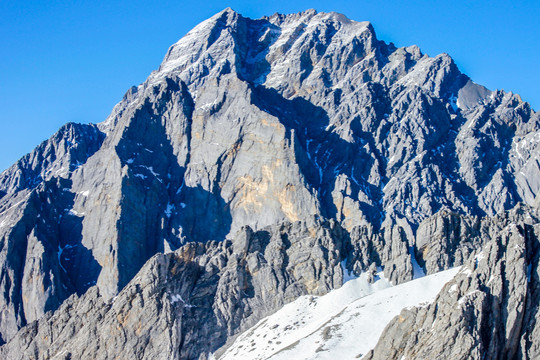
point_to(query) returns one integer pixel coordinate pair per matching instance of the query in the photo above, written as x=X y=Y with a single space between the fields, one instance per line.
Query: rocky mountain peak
x=252 y=45
x=263 y=160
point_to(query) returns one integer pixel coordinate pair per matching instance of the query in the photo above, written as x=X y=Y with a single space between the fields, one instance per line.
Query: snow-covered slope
x=345 y=322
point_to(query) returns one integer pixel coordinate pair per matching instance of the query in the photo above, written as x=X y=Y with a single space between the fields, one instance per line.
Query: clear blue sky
x=63 y=61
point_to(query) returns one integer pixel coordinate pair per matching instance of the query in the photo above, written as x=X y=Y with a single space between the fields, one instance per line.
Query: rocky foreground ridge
x=260 y=157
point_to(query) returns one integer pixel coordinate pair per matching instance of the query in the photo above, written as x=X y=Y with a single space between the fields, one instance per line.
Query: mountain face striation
x=262 y=161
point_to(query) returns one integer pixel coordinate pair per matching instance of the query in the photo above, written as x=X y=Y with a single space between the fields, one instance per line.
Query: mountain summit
x=265 y=160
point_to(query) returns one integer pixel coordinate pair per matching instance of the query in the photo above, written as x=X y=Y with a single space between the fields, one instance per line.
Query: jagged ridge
x=265 y=123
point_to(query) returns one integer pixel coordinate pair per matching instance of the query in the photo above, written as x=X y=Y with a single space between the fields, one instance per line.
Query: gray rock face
x=488 y=311
x=184 y=304
x=386 y=247
x=447 y=239
x=37 y=226
x=308 y=120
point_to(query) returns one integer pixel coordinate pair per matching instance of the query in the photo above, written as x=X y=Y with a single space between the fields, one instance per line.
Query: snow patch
x=352 y=176
x=169 y=209
x=180 y=188
x=453 y=101
x=345 y=323
x=75 y=212
x=60 y=171
x=151 y=169
x=177 y=297
x=5 y=223
x=60 y=251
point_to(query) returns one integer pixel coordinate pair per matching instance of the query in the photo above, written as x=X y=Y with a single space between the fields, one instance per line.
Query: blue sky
x=63 y=61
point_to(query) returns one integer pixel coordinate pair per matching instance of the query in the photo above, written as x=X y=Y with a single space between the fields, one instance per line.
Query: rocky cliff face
x=188 y=303
x=260 y=155
x=488 y=311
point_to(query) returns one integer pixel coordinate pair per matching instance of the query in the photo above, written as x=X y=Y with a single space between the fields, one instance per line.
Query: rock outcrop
x=488 y=311
x=185 y=304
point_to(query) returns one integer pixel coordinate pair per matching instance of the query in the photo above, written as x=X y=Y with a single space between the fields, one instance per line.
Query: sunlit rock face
x=259 y=156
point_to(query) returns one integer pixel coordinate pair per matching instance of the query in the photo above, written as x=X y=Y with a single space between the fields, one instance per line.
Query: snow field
x=345 y=323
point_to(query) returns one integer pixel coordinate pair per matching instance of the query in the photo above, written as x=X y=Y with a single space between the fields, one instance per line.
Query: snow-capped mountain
x=263 y=161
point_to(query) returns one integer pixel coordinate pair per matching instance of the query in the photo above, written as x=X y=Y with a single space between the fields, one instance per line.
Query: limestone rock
x=186 y=303
x=306 y=124
x=489 y=310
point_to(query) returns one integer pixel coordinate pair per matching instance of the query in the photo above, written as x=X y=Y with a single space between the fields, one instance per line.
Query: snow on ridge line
x=347 y=321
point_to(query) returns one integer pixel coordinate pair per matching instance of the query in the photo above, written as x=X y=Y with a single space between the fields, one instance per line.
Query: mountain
x=265 y=160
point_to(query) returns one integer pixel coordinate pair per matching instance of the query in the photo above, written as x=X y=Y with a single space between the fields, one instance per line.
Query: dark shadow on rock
x=74 y=258
x=45 y=246
x=260 y=241
x=62 y=234
x=205 y=216
x=253 y=41
x=157 y=208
